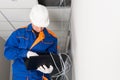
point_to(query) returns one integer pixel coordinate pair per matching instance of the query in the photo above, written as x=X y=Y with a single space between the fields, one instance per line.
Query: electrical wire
x=61 y=2
x=62 y=73
x=54 y=62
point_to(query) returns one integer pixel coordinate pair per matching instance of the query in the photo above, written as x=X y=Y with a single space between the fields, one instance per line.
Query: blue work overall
x=23 y=40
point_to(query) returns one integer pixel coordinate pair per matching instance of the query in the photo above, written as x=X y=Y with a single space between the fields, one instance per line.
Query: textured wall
x=4 y=64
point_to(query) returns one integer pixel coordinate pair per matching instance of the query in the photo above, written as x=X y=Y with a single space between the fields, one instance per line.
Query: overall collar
x=29 y=28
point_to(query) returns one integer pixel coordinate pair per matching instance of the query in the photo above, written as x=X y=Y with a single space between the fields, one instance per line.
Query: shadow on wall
x=4 y=64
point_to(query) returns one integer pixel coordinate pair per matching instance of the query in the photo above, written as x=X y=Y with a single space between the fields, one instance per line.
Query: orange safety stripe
x=23 y=26
x=52 y=33
x=40 y=37
x=44 y=78
x=58 y=47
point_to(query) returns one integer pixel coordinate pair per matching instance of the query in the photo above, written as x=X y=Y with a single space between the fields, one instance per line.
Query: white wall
x=96 y=39
x=4 y=64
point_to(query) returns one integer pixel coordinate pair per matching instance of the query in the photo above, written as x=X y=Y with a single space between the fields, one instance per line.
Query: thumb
x=51 y=68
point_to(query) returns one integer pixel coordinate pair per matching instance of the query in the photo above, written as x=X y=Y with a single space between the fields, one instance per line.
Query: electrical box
x=55 y=2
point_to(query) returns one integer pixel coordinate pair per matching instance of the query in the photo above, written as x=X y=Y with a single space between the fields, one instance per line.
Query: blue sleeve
x=11 y=50
x=53 y=48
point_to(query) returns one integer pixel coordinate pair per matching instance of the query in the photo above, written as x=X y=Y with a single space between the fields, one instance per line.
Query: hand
x=30 y=53
x=45 y=70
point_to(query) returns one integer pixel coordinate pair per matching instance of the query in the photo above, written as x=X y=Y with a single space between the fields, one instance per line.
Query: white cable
x=64 y=69
x=54 y=62
x=61 y=2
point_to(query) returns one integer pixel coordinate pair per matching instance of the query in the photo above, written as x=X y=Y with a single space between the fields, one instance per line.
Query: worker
x=29 y=41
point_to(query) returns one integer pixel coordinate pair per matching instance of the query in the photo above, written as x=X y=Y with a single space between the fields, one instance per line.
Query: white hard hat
x=39 y=16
